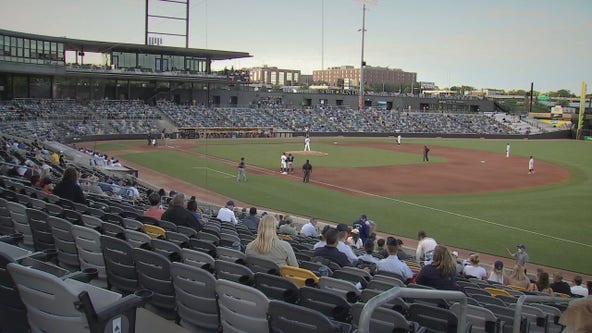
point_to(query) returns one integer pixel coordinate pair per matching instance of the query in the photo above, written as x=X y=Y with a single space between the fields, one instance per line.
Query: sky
x=503 y=44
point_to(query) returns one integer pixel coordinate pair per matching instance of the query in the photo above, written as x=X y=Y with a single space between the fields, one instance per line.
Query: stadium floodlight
x=154 y=37
x=362 y=62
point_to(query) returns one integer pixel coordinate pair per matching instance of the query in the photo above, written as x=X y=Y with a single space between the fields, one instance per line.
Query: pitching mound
x=307 y=153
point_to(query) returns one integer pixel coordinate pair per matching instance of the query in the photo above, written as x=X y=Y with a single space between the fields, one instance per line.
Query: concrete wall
x=245 y=98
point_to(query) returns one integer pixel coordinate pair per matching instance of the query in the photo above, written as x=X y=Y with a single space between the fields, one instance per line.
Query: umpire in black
x=307 y=170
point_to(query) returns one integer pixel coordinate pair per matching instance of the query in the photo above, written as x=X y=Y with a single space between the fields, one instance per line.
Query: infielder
x=399 y=139
x=241 y=170
x=283 y=164
x=507 y=150
x=307 y=143
x=531 y=165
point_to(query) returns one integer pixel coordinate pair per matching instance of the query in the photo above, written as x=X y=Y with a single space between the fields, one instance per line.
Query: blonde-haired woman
x=267 y=245
x=474 y=269
x=519 y=279
x=441 y=272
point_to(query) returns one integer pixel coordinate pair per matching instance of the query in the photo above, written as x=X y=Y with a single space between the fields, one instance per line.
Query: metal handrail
x=533 y=298
x=376 y=301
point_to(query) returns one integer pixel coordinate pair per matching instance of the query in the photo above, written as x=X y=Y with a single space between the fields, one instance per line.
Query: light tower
x=362 y=62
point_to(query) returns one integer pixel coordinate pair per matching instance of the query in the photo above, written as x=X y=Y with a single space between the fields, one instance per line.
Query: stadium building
x=35 y=66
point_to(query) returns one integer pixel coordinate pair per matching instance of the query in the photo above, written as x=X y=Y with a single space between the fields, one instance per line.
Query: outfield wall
x=551 y=135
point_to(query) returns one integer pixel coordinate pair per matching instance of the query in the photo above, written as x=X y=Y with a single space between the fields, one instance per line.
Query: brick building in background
x=349 y=77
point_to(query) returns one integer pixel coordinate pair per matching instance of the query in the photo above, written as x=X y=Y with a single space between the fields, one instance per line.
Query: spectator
x=497 y=273
x=330 y=251
x=578 y=289
x=46 y=185
x=131 y=191
x=288 y=228
x=401 y=253
x=267 y=245
x=354 y=241
x=459 y=264
x=89 y=184
x=392 y=263
x=519 y=279
x=441 y=272
x=368 y=255
x=474 y=269
x=425 y=247
x=252 y=220
x=341 y=246
x=155 y=210
x=323 y=239
x=310 y=229
x=192 y=207
x=35 y=181
x=542 y=283
x=380 y=248
x=179 y=215
x=68 y=188
x=576 y=317
x=226 y=213
x=560 y=286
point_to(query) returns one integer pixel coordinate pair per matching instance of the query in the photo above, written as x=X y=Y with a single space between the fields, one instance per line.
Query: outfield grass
x=551 y=220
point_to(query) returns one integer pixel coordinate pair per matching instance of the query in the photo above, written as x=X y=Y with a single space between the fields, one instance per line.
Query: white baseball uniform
x=531 y=165
x=307 y=144
x=283 y=162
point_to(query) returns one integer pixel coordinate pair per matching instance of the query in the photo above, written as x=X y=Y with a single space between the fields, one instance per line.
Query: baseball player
x=508 y=150
x=241 y=170
x=290 y=163
x=283 y=164
x=531 y=165
x=307 y=143
x=399 y=139
x=426 y=150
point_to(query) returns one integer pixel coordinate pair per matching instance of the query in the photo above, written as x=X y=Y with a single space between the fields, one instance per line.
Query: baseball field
x=469 y=195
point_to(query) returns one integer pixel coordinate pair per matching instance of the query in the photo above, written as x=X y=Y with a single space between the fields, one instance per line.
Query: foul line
x=455 y=214
x=214 y=170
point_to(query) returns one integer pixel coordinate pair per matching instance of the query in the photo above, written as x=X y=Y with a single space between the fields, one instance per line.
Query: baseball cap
x=392 y=241
x=455 y=253
x=355 y=231
x=364 y=216
x=325 y=229
x=521 y=246
x=342 y=227
x=498 y=264
x=230 y=203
